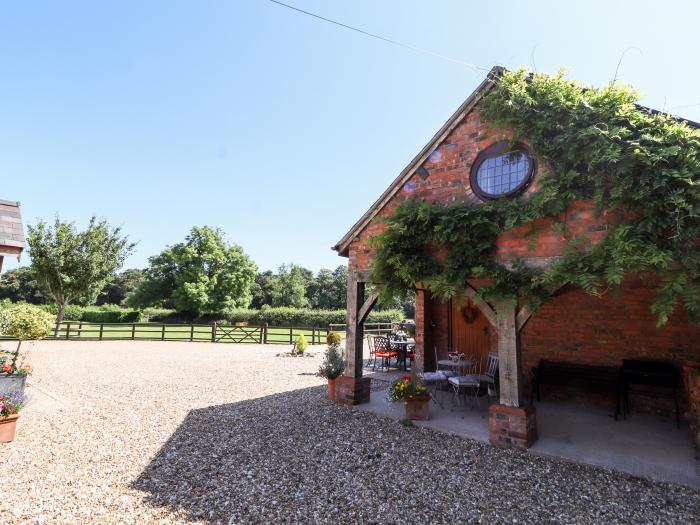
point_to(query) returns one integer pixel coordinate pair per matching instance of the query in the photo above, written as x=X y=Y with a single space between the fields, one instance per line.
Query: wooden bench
x=587 y=377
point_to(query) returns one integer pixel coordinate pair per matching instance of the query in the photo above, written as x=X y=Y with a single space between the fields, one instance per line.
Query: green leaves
x=643 y=168
x=203 y=274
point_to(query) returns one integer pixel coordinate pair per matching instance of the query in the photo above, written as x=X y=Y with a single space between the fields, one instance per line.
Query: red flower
x=7 y=368
x=407 y=378
x=11 y=410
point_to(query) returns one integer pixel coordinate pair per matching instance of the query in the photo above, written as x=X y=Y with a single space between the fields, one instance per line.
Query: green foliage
x=74 y=266
x=120 y=286
x=333 y=363
x=301 y=344
x=640 y=168
x=203 y=274
x=108 y=313
x=21 y=285
x=289 y=286
x=26 y=322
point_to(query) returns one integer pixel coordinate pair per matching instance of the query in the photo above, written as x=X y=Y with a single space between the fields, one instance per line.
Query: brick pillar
x=352 y=390
x=512 y=427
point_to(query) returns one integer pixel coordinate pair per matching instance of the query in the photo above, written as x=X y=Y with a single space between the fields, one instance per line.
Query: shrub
x=26 y=322
x=333 y=363
x=302 y=344
x=110 y=314
x=333 y=338
x=301 y=317
x=73 y=312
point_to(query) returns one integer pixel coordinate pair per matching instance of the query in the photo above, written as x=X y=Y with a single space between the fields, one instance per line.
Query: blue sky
x=276 y=127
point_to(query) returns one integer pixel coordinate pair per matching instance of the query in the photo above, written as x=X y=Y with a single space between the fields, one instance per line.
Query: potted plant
x=415 y=396
x=10 y=405
x=25 y=322
x=332 y=367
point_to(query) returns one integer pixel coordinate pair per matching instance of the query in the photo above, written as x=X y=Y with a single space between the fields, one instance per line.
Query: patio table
x=457 y=364
x=403 y=349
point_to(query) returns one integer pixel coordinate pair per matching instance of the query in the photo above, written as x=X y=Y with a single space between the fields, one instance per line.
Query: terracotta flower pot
x=8 y=426
x=417 y=408
x=331 y=389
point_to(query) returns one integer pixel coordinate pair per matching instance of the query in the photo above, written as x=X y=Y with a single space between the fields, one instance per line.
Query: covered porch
x=646 y=444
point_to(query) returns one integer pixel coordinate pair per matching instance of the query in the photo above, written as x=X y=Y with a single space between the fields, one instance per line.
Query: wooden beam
x=366 y=307
x=354 y=332
x=483 y=306
x=509 y=358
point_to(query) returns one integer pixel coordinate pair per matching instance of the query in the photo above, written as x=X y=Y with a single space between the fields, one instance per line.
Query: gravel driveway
x=144 y=432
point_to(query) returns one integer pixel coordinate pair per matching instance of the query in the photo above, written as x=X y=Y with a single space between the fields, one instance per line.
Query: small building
x=11 y=230
x=572 y=326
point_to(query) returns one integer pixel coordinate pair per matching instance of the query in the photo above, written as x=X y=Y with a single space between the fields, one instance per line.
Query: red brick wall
x=579 y=328
x=573 y=326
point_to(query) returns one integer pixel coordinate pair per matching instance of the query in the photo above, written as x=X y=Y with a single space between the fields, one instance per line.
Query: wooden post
x=191 y=333
x=265 y=333
x=102 y=327
x=133 y=331
x=260 y=335
x=213 y=332
x=291 y=336
x=509 y=357
x=162 y=333
x=68 y=330
x=80 y=329
x=353 y=335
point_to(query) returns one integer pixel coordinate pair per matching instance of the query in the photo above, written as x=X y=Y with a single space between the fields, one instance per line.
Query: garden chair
x=434 y=381
x=488 y=377
x=382 y=349
x=372 y=354
x=468 y=381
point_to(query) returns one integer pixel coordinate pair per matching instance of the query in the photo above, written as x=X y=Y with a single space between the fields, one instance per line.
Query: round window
x=502 y=170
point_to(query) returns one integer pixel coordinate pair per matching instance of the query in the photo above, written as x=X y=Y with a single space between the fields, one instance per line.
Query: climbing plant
x=641 y=168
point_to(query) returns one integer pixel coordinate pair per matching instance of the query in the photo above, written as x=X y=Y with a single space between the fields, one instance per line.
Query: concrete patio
x=644 y=445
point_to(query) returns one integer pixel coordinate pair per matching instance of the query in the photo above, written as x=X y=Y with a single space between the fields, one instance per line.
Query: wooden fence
x=213 y=333
x=369 y=328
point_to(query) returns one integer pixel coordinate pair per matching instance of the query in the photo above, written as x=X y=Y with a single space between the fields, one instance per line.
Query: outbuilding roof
x=457 y=117
x=11 y=230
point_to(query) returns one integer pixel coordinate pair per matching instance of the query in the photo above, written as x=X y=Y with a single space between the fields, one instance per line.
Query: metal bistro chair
x=488 y=377
x=469 y=379
x=382 y=349
x=372 y=361
x=436 y=381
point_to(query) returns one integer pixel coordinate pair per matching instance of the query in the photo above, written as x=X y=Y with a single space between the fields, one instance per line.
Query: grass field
x=180 y=332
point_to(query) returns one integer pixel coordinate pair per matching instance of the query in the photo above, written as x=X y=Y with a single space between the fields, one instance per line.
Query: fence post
x=102 y=326
x=260 y=338
x=80 y=330
x=213 y=332
x=265 y=333
x=133 y=331
x=68 y=330
x=191 y=333
x=162 y=333
x=291 y=336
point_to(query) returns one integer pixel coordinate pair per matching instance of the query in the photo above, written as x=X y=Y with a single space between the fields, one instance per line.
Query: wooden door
x=470 y=331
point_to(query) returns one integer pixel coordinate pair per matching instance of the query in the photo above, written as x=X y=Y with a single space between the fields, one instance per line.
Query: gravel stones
x=149 y=432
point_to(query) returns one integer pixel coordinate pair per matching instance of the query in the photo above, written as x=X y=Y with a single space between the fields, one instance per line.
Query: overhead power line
x=383 y=39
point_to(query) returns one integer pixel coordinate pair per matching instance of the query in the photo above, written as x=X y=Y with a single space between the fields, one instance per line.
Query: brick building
x=573 y=326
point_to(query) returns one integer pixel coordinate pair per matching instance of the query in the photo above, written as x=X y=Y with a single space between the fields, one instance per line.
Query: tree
x=21 y=284
x=262 y=290
x=289 y=286
x=74 y=265
x=202 y=275
x=328 y=290
x=120 y=286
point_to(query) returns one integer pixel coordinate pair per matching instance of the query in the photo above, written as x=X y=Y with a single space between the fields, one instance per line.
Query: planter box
x=8 y=425
x=417 y=408
x=12 y=383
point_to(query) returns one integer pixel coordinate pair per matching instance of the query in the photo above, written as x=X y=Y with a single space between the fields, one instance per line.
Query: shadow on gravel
x=294 y=457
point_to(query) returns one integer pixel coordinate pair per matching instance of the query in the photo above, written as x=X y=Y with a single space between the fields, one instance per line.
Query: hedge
x=96 y=314
x=298 y=317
